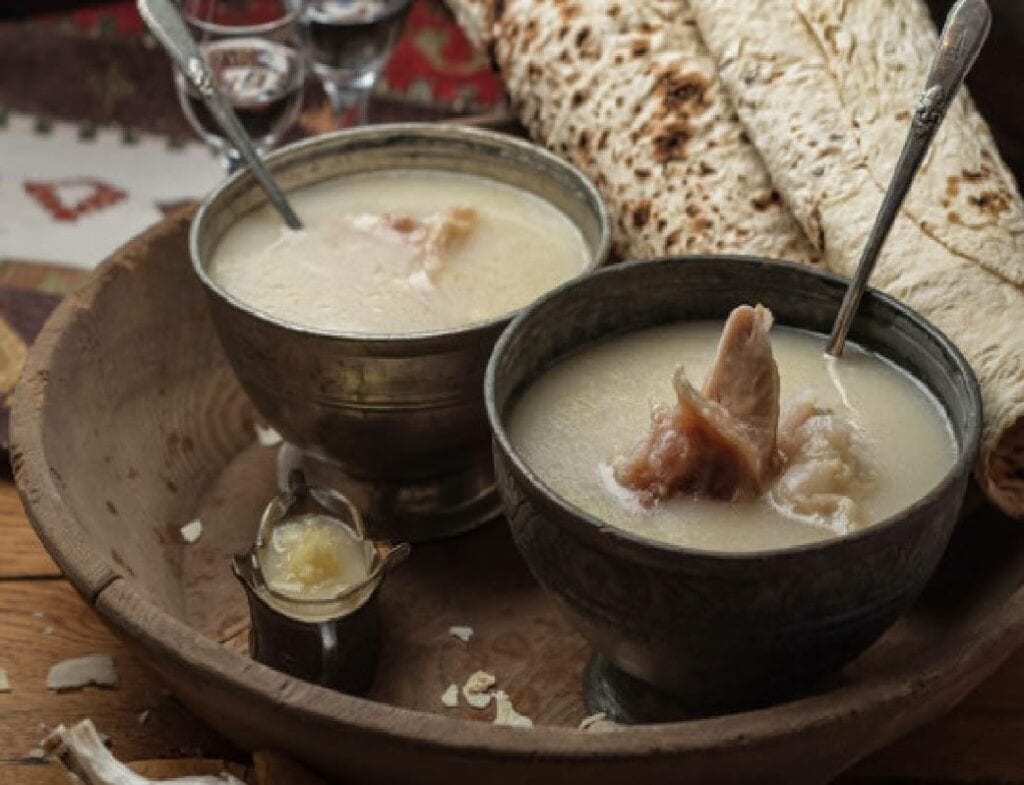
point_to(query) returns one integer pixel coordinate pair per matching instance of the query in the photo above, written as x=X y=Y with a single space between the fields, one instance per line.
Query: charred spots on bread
x=641 y=214
x=670 y=141
x=568 y=10
x=682 y=92
x=990 y=202
x=763 y=201
x=530 y=31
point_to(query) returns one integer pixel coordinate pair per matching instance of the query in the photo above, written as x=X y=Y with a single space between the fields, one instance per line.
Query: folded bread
x=627 y=92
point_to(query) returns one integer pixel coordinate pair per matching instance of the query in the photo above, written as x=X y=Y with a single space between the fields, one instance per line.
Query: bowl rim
x=670 y=555
x=345 y=136
x=290 y=13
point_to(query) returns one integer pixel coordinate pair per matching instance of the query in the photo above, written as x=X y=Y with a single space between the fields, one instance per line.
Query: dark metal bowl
x=719 y=631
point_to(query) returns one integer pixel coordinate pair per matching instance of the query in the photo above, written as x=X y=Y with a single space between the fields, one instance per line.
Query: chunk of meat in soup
x=824 y=467
x=718 y=442
x=431 y=238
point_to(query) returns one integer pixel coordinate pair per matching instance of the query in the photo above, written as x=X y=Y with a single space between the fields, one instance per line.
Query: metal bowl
x=399 y=418
x=681 y=630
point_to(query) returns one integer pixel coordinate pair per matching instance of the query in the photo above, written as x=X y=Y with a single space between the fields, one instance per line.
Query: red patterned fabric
x=435 y=49
x=434 y=60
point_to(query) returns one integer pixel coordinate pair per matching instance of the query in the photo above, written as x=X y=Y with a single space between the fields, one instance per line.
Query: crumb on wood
x=461 y=631
x=267 y=436
x=450 y=697
x=597 y=723
x=477 y=688
x=91 y=670
x=192 y=531
x=505 y=713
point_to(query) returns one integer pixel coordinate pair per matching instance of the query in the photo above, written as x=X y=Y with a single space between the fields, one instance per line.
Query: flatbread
x=964 y=196
x=626 y=91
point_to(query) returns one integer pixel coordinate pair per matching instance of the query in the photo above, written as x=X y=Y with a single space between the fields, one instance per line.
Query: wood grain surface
x=43 y=620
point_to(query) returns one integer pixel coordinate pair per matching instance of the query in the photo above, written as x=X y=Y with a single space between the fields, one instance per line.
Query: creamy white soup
x=865 y=440
x=398 y=252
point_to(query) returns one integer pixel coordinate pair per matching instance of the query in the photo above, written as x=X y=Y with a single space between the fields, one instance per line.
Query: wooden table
x=43 y=620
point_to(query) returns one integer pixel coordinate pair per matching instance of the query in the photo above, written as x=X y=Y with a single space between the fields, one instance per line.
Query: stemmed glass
x=255 y=50
x=349 y=43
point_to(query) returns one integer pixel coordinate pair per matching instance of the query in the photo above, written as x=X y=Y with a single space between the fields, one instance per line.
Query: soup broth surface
x=398 y=252
x=571 y=424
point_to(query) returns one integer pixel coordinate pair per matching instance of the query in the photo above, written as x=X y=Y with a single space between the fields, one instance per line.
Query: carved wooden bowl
x=128 y=423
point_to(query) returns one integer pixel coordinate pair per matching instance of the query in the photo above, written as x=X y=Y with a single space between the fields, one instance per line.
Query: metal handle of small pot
x=329 y=665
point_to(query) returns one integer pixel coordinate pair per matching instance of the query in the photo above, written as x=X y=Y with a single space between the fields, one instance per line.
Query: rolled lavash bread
x=627 y=92
x=825 y=89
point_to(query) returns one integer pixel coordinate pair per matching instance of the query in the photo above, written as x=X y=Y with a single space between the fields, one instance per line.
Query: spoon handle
x=964 y=34
x=166 y=24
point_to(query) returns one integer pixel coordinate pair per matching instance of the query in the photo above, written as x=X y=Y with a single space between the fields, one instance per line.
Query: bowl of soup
x=725 y=513
x=363 y=337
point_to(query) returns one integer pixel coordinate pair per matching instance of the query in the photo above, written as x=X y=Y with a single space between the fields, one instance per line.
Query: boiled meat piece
x=824 y=467
x=718 y=442
x=431 y=238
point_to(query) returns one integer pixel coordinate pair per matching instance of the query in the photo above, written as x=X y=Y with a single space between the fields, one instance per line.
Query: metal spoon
x=965 y=31
x=165 y=23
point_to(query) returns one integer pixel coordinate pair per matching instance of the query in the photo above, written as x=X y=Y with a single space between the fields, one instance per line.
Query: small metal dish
x=682 y=631
x=395 y=422
x=332 y=641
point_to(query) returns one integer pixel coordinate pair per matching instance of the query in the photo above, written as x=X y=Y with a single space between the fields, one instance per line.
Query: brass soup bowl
x=719 y=631
x=401 y=416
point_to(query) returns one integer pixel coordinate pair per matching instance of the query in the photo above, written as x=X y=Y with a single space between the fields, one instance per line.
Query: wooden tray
x=128 y=423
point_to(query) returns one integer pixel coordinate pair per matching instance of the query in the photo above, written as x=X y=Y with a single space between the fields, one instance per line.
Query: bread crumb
x=476 y=689
x=506 y=714
x=461 y=631
x=5 y=684
x=47 y=630
x=267 y=436
x=450 y=698
x=192 y=531
x=81 y=752
x=597 y=723
x=36 y=753
x=92 y=669
x=143 y=717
